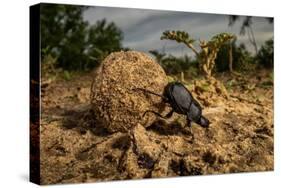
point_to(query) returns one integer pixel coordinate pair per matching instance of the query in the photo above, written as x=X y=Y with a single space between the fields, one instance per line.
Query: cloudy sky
x=142 y=28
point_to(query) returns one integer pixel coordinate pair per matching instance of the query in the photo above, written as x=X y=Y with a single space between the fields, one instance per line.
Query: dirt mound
x=115 y=102
x=240 y=138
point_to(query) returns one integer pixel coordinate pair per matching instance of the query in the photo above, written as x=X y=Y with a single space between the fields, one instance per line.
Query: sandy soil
x=74 y=149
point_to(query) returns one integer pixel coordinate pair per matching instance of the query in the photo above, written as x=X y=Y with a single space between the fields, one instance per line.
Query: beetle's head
x=204 y=122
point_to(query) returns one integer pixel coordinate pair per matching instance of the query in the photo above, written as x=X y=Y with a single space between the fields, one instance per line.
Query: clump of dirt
x=116 y=102
x=210 y=92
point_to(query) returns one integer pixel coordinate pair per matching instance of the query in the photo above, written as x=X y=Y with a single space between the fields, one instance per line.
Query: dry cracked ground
x=74 y=149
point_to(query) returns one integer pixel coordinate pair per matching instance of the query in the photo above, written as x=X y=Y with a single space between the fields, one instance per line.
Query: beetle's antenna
x=147 y=91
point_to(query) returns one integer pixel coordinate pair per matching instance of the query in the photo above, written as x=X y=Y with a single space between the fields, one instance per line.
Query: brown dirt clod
x=116 y=101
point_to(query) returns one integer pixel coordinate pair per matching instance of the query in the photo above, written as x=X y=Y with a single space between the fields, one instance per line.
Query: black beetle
x=182 y=102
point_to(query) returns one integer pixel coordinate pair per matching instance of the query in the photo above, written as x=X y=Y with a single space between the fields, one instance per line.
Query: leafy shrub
x=265 y=54
x=242 y=59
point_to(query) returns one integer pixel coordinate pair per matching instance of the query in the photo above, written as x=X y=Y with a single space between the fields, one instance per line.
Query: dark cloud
x=142 y=28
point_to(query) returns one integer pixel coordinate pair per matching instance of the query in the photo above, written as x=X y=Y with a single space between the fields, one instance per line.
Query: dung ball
x=116 y=100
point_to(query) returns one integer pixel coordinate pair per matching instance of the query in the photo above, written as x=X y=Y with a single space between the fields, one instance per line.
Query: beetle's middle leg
x=188 y=123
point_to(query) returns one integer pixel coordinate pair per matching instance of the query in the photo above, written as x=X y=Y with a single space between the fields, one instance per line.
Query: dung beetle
x=182 y=102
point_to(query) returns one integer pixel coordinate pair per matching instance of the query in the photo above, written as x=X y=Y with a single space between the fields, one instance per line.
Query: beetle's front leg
x=156 y=113
x=169 y=114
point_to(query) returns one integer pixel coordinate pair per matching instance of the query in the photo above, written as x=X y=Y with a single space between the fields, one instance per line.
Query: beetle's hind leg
x=188 y=124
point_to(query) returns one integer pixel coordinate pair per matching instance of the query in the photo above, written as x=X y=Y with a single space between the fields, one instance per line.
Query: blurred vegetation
x=72 y=41
x=70 y=44
x=242 y=59
x=266 y=54
x=175 y=65
x=247 y=28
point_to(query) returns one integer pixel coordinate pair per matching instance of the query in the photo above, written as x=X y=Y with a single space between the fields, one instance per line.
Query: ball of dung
x=116 y=98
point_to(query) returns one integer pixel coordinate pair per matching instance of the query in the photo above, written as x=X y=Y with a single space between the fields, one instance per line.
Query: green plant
x=66 y=75
x=48 y=67
x=265 y=54
x=208 y=49
x=103 y=38
x=158 y=55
